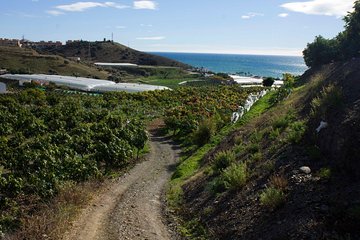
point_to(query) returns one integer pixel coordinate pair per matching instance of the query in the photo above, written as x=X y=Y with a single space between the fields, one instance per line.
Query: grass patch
x=272 y=197
x=324 y=173
x=235 y=176
x=296 y=131
x=190 y=165
x=330 y=97
x=223 y=160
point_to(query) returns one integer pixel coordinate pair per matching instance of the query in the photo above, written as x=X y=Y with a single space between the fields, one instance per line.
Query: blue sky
x=281 y=27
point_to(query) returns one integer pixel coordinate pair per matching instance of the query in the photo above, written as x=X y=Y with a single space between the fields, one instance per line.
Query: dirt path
x=131 y=207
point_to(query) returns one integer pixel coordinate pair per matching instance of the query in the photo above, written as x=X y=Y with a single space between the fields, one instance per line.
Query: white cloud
x=151 y=38
x=283 y=15
x=338 y=8
x=252 y=15
x=145 y=4
x=146 y=25
x=81 y=6
x=55 y=12
x=120 y=27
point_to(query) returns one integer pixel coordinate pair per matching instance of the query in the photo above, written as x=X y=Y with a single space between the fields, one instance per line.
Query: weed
x=278 y=182
x=256 y=137
x=296 y=131
x=193 y=230
x=223 y=160
x=324 y=173
x=253 y=148
x=272 y=197
x=240 y=148
x=256 y=157
x=238 y=140
x=234 y=176
x=204 y=132
x=269 y=166
x=274 y=134
x=330 y=97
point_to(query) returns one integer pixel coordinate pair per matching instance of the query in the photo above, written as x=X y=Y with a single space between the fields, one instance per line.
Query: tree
x=268 y=82
x=344 y=46
x=321 y=51
x=350 y=38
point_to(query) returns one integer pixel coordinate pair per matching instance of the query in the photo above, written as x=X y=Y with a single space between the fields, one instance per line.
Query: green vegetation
x=107 y=51
x=324 y=173
x=48 y=139
x=268 y=82
x=329 y=98
x=190 y=165
x=223 y=160
x=272 y=197
x=344 y=46
x=22 y=61
x=234 y=176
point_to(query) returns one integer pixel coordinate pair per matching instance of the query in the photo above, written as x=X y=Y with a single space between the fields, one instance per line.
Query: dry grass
x=278 y=182
x=51 y=220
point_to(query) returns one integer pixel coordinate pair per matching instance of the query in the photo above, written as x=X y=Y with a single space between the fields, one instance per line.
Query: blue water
x=269 y=66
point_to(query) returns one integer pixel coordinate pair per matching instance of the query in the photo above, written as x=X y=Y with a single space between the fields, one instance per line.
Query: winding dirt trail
x=131 y=206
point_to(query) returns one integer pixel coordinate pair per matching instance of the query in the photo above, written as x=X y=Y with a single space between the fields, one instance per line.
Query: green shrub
x=256 y=157
x=204 y=133
x=272 y=197
x=268 y=82
x=253 y=148
x=274 y=134
x=223 y=160
x=296 y=131
x=330 y=97
x=234 y=176
x=324 y=173
x=238 y=149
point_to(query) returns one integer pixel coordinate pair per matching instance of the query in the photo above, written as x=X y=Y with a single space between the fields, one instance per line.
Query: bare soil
x=131 y=207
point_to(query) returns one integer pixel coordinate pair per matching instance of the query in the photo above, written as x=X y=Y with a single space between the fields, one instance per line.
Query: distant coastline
x=242 y=64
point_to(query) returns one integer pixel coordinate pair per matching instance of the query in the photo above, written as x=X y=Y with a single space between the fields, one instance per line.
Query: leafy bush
x=272 y=197
x=296 y=131
x=223 y=160
x=344 y=46
x=330 y=97
x=204 y=132
x=235 y=176
x=268 y=82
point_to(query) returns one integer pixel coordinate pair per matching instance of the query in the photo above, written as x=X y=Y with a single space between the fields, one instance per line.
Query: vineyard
x=48 y=139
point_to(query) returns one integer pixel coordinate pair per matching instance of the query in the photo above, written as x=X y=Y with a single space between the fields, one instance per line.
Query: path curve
x=131 y=206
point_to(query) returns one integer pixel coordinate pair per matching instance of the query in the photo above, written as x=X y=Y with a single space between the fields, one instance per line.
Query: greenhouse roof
x=84 y=84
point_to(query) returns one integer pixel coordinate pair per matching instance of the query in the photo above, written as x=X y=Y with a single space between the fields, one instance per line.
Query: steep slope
x=24 y=60
x=257 y=191
x=110 y=52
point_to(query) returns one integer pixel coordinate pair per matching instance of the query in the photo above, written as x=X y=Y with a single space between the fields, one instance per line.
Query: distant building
x=27 y=43
x=9 y=42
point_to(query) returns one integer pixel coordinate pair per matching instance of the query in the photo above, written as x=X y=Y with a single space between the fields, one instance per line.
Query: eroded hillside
x=276 y=176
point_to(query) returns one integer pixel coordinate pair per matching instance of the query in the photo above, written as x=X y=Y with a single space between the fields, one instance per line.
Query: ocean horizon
x=242 y=64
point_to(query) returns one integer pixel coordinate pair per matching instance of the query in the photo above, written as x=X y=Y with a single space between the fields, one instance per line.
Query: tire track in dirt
x=131 y=206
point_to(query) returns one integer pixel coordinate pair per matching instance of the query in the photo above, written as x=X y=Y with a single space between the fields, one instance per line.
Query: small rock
x=305 y=169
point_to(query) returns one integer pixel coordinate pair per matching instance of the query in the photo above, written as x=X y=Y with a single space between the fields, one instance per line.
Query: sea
x=244 y=65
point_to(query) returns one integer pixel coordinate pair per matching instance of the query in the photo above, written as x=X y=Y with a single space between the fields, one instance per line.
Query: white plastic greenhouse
x=84 y=84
